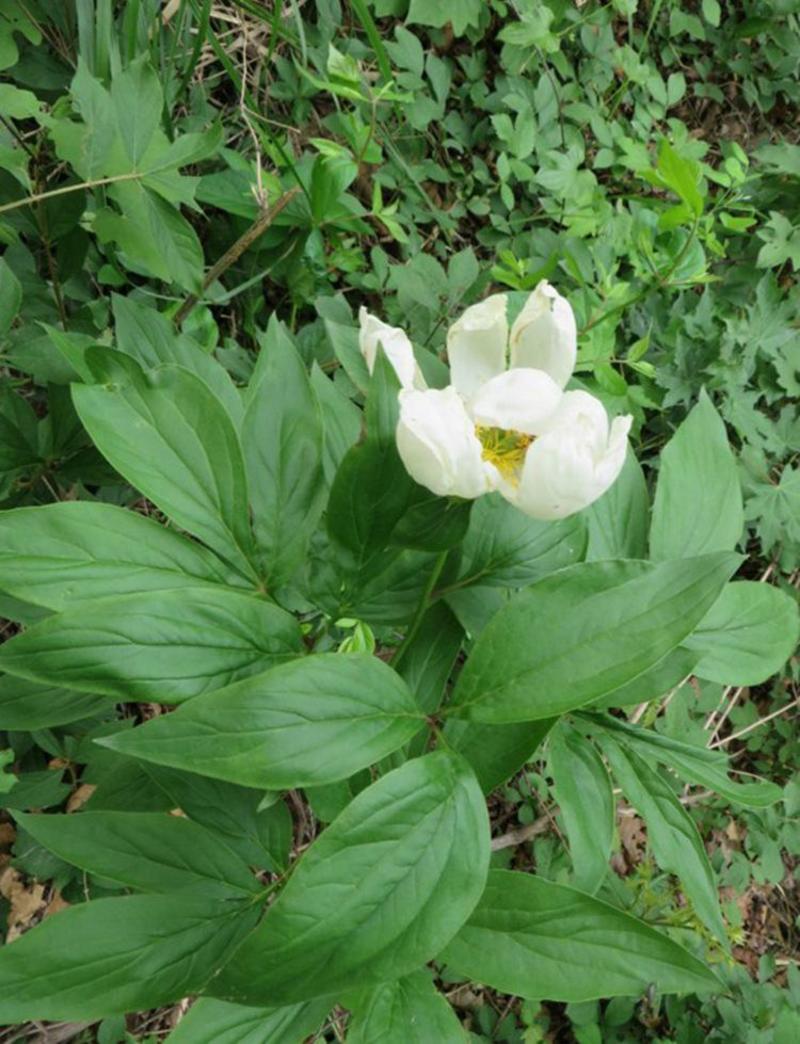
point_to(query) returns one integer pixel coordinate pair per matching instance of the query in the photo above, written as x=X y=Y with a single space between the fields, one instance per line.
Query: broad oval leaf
x=29 y=705
x=617 y=522
x=111 y=956
x=313 y=721
x=408 y=1011
x=282 y=440
x=380 y=892
x=698 y=502
x=747 y=635
x=211 y=1021
x=74 y=551
x=505 y=548
x=583 y=632
x=168 y=434
x=149 y=851
x=159 y=645
x=538 y=940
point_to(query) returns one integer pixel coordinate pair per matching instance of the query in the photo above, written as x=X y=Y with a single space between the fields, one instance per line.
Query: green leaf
x=282 y=439
x=461 y=14
x=171 y=438
x=27 y=705
x=537 y=940
x=309 y=722
x=617 y=522
x=505 y=548
x=383 y=889
x=667 y=674
x=262 y=837
x=708 y=768
x=698 y=502
x=150 y=338
x=165 y=646
x=432 y=523
x=681 y=175
x=117 y=955
x=10 y=297
x=583 y=792
x=138 y=100
x=409 y=1011
x=64 y=554
x=210 y=1021
x=747 y=635
x=148 y=851
x=671 y=831
x=371 y=490
x=341 y=421
x=496 y=752
x=431 y=655
x=582 y=633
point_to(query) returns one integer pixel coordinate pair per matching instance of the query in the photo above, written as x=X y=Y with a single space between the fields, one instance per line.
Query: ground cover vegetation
x=281 y=729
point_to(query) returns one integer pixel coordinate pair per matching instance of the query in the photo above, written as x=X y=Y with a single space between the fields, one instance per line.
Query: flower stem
x=422 y=608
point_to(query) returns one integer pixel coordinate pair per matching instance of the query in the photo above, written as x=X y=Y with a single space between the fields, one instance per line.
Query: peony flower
x=505 y=423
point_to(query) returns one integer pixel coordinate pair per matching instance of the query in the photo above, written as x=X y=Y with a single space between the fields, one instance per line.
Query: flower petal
x=395 y=343
x=437 y=443
x=476 y=344
x=574 y=462
x=544 y=335
x=517 y=400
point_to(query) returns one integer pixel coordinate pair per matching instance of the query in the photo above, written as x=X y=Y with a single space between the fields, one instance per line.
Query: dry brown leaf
x=80 y=796
x=26 y=901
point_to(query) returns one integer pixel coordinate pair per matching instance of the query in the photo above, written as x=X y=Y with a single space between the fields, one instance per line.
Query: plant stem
x=95 y=183
x=421 y=609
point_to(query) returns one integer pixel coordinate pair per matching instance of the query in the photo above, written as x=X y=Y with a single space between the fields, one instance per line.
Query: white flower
x=395 y=343
x=505 y=422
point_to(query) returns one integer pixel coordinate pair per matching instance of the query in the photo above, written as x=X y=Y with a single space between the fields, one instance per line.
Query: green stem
x=94 y=183
x=421 y=609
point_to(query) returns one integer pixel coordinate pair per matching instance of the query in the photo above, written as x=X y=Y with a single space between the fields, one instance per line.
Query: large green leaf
x=62 y=554
x=505 y=548
x=496 y=752
x=383 y=889
x=673 y=834
x=371 y=490
x=28 y=705
x=667 y=674
x=157 y=645
x=171 y=438
x=152 y=340
x=261 y=836
x=747 y=635
x=537 y=939
x=117 y=955
x=617 y=522
x=138 y=100
x=341 y=421
x=282 y=439
x=583 y=632
x=408 y=1011
x=583 y=792
x=305 y=723
x=698 y=503
x=148 y=851
x=211 y=1021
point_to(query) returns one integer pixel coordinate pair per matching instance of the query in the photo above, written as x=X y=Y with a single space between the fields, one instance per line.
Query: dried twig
x=233 y=253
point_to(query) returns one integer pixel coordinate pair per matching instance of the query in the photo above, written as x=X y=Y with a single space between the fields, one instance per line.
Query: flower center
x=505 y=449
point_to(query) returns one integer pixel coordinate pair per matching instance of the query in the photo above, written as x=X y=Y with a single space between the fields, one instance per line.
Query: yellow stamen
x=505 y=449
